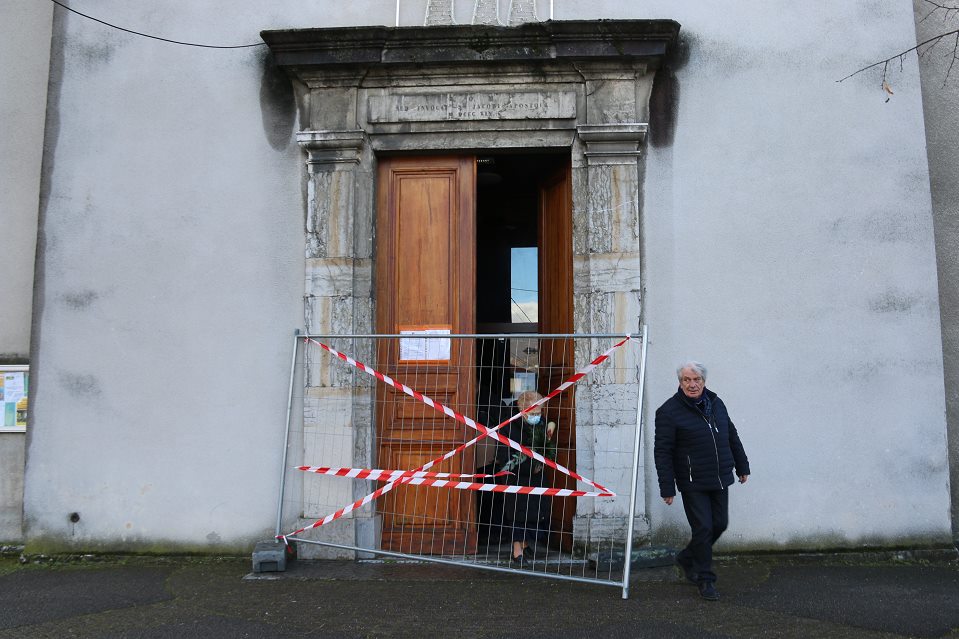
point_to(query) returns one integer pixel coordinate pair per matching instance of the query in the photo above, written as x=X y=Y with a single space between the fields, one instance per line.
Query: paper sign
x=429 y=349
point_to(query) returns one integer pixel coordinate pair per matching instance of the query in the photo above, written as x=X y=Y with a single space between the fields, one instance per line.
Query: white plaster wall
x=25 y=50
x=788 y=244
x=940 y=97
x=171 y=243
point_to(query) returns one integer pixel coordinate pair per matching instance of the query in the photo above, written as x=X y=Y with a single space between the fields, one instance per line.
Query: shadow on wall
x=277 y=104
x=664 y=99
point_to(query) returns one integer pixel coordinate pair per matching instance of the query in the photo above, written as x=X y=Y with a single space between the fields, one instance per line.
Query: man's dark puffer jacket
x=693 y=454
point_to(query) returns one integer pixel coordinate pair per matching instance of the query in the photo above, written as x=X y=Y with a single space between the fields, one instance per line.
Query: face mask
x=533 y=419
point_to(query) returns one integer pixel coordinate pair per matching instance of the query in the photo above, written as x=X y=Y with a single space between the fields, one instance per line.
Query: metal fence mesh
x=375 y=404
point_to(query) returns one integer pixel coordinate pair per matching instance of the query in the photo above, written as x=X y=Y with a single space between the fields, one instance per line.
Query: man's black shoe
x=708 y=591
x=687 y=567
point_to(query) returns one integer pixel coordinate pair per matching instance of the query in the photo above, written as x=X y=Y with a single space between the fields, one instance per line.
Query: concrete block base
x=269 y=556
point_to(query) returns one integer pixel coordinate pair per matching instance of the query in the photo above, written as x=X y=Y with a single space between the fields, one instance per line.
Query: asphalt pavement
x=784 y=596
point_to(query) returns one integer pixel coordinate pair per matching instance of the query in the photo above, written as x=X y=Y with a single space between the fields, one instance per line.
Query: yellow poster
x=22 y=413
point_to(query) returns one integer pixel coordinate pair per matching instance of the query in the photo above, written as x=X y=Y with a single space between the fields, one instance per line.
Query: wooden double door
x=426 y=280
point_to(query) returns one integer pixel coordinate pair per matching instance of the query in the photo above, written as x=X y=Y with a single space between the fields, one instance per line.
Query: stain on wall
x=277 y=104
x=664 y=98
x=81 y=385
x=93 y=54
x=79 y=300
x=893 y=302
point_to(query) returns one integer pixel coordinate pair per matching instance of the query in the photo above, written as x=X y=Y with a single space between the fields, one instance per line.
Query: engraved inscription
x=434 y=107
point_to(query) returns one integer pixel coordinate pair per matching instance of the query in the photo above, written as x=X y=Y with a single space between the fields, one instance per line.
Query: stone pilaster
x=607 y=296
x=338 y=420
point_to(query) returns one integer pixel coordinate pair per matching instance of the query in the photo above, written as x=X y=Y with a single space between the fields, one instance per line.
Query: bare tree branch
x=933 y=41
x=947 y=10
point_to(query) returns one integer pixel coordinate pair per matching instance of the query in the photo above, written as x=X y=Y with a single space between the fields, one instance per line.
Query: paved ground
x=772 y=597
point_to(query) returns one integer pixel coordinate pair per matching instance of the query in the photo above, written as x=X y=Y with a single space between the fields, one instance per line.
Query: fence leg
x=286 y=437
x=628 y=557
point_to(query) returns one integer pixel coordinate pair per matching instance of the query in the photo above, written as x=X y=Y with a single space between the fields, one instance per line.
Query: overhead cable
x=153 y=37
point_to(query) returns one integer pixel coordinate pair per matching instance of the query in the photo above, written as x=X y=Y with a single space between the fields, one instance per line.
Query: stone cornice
x=332 y=147
x=342 y=47
x=612 y=143
x=617 y=132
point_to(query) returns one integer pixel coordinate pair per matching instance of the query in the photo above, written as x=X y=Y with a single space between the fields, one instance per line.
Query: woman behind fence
x=527 y=515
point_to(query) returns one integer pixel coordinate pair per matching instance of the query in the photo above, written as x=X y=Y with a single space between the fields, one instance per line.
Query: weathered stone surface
x=613 y=213
x=605 y=312
x=499 y=105
x=607 y=272
x=338 y=277
x=611 y=101
x=521 y=134
x=341 y=531
x=599 y=530
x=330 y=315
x=334 y=106
x=613 y=143
x=326 y=446
x=329 y=227
x=363 y=428
x=621 y=40
x=580 y=203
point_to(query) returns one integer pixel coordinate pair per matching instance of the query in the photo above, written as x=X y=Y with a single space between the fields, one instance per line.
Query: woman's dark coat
x=692 y=452
x=527 y=515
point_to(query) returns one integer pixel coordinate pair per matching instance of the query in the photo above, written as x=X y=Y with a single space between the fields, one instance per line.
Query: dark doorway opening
x=510 y=211
x=507 y=239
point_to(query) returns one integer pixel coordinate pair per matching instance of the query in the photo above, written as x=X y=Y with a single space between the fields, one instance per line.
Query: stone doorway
x=579 y=88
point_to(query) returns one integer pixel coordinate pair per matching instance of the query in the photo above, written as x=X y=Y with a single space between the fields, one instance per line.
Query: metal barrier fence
x=426 y=446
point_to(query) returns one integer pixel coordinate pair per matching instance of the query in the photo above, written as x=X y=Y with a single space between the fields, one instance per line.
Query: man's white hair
x=699 y=367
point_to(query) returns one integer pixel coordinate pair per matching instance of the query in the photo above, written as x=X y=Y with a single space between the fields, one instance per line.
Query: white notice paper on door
x=425 y=348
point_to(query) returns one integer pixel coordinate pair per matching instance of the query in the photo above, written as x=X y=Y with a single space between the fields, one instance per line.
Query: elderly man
x=697 y=448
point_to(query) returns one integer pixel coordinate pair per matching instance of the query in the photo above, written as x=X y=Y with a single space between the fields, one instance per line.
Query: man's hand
x=743 y=478
x=668 y=500
x=550 y=429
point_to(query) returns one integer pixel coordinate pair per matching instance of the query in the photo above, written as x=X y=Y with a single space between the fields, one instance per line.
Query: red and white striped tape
x=504 y=488
x=443 y=480
x=389 y=475
x=485 y=432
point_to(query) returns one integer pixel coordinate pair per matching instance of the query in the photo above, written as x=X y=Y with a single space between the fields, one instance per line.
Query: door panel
x=425 y=277
x=425 y=247
x=556 y=316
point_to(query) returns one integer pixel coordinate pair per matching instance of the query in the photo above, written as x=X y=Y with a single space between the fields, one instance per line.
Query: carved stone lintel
x=326 y=150
x=621 y=41
x=448 y=106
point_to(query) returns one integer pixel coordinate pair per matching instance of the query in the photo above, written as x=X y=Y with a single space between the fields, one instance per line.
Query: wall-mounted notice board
x=14 y=396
